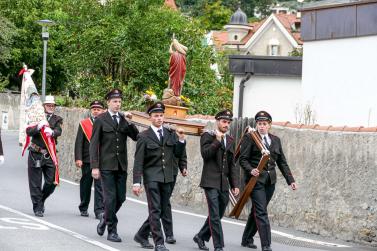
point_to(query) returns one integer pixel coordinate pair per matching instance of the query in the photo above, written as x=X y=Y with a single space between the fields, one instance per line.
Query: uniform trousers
x=167 y=217
x=38 y=165
x=114 y=194
x=217 y=201
x=86 y=182
x=258 y=217
x=158 y=195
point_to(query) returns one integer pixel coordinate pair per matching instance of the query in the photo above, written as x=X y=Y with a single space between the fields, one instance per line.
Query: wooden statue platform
x=175 y=112
x=191 y=128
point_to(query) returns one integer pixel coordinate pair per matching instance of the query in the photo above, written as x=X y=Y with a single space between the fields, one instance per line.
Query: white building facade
x=269 y=83
x=279 y=95
x=339 y=77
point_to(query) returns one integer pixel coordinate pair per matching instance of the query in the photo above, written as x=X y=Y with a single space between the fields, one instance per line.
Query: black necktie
x=160 y=134
x=266 y=142
x=223 y=142
x=48 y=116
x=115 y=120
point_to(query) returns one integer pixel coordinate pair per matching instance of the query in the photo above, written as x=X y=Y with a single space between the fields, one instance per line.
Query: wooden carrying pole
x=237 y=209
x=238 y=148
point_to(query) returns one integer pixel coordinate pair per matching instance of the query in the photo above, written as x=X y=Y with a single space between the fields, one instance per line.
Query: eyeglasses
x=50 y=105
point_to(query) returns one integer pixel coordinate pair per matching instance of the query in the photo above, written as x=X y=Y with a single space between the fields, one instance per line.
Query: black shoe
x=101 y=227
x=144 y=243
x=170 y=240
x=84 y=213
x=113 y=237
x=200 y=242
x=161 y=247
x=249 y=244
x=219 y=249
x=266 y=248
x=38 y=213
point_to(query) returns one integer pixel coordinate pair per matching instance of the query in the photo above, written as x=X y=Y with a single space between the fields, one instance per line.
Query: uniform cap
x=114 y=93
x=97 y=104
x=156 y=107
x=263 y=116
x=225 y=114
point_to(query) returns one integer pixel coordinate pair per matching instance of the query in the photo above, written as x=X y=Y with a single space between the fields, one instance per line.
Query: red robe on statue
x=177 y=72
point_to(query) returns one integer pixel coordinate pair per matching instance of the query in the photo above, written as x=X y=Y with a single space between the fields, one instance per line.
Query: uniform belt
x=38 y=149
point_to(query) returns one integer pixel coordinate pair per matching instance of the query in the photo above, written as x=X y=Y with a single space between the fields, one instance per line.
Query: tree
x=128 y=48
x=215 y=16
x=8 y=32
x=263 y=6
x=28 y=48
x=195 y=7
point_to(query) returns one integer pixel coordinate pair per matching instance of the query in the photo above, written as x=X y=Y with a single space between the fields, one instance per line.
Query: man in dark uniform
x=156 y=150
x=264 y=189
x=82 y=161
x=39 y=160
x=108 y=160
x=219 y=171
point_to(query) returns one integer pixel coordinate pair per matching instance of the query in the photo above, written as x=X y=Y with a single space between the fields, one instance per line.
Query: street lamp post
x=45 y=35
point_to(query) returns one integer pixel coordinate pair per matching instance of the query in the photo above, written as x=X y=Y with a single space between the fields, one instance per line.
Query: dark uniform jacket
x=250 y=156
x=219 y=170
x=82 y=146
x=108 y=145
x=1 y=146
x=55 y=123
x=155 y=161
x=180 y=163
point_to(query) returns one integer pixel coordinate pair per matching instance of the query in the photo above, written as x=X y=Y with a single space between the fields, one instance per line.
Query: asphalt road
x=62 y=227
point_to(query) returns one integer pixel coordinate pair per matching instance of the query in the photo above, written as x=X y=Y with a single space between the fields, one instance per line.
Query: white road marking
x=25 y=223
x=61 y=229
x=290 y=236
x=69 y=182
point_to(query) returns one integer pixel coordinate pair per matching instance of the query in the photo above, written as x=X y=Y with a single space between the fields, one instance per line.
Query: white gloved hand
x=2 y=159
x=42 y=123
x=49 y=132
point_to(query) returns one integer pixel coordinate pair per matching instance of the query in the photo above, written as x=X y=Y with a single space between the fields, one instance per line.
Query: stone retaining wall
x=10 y=104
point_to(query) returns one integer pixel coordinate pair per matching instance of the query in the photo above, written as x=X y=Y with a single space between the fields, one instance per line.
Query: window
x=273 y=47
x=274 y=50
x=235 y=37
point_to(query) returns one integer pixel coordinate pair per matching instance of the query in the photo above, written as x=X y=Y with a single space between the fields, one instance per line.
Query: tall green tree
x=7 y=34
x=27 y=46
x=215 y=16
x=128 y=47
x=197 y=8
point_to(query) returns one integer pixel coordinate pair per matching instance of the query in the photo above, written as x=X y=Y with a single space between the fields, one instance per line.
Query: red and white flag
x=31 y=114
